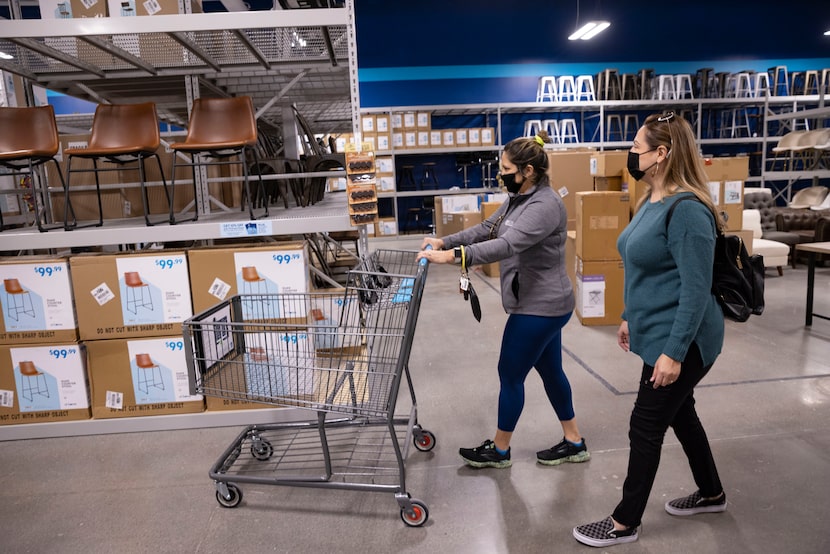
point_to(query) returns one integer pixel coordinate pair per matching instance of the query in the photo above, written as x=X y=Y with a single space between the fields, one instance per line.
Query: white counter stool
x=547 y=89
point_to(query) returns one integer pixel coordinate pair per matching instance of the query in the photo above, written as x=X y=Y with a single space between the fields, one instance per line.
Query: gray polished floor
x=765 y=404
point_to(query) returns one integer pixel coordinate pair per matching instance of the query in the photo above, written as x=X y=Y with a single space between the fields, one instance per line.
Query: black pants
x=654 y=411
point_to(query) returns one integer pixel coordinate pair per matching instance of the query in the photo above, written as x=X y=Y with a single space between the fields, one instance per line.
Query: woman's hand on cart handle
x=435 y=243
x=436 y=256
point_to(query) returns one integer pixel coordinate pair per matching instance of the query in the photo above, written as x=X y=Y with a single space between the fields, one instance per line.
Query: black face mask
x=509 y=182
x=633 y=164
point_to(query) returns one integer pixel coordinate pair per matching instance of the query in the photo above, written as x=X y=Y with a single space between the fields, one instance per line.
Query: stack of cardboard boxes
x=100 y=335
x=600 y=218
x=130 y=312
x=42 y=366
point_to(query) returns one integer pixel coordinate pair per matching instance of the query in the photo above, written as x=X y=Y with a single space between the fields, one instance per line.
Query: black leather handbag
x=737 y=277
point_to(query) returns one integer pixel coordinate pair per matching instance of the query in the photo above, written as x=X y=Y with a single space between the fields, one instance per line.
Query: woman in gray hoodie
x=526 y=235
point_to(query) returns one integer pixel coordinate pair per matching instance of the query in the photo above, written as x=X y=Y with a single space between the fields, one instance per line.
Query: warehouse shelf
x=330 y=214
x=704 y=112
x=288 y=61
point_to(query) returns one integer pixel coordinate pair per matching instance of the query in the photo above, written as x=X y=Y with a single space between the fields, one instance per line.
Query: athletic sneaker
x=602 y=533
x=485 y=455
x=565 y=451
x=696 y=504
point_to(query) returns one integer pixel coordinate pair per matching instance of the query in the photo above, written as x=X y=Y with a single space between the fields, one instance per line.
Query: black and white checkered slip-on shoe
x=602 y=533
x=696 y=504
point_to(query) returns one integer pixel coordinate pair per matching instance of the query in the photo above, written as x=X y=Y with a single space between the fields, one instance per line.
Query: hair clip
x=666 y=117
x=539 y=140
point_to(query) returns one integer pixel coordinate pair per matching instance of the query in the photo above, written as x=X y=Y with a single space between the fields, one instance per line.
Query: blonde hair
x=683 y=165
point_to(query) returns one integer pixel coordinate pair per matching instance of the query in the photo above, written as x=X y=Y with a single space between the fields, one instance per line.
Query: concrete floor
x=765 y=405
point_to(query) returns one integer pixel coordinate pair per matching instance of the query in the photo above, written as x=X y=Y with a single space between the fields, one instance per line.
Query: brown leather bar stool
x=221 y=131
x=125 y=135
x=29 y=139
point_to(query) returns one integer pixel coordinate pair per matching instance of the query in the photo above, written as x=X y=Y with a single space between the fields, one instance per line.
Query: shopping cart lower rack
x=341 y=354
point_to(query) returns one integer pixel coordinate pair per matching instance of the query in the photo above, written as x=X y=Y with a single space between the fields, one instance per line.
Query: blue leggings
x=532 y=341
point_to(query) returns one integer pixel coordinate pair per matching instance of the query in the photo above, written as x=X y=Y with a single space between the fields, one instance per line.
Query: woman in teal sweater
x=671 y=320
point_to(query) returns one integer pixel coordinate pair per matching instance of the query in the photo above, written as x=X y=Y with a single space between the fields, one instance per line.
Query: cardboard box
x=599 y=291
x=729 y=199
x=386 y=183
x=461 y=137
x=608 y=164
x=367 y=123
x=409 y=121
x=371 y=140
x=396 y=119
x=474 y=137
x=448 y=137
x=423 y=120
x=410 y=139
x=397 y=141
x=727 y=169
x=140 y=377
x=608 y=183
x=386 y=227
x=568 y=172
x=488 y=209
x=37 y=301
x=384 y=165
x=382 y=124
x=488 y=136
x=131 y=295
x=383 y=142
x=600 y=218
x=217 y=274
x=42 y=383
x=458 y=221
x=423 y=139
x=453 y=203
x=435 y=138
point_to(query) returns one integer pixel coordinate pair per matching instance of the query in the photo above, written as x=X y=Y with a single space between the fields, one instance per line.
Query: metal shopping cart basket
x=341 y=354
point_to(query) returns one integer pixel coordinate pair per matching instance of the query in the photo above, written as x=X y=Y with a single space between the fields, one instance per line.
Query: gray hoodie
x=530 y=248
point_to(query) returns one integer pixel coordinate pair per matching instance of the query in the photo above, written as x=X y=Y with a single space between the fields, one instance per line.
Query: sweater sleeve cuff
x=676 y=351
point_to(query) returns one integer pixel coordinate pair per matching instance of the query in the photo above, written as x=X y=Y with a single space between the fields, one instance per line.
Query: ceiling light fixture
x=827 y=33
x=4 y=56
x=589 y=30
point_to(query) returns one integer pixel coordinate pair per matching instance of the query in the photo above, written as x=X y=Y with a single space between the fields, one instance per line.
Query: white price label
x=219 y=289
x=102 y=294
x=115 y=400
x=6 y=399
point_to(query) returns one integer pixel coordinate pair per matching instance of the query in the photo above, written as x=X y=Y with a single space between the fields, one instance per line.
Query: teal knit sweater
x=668 y=281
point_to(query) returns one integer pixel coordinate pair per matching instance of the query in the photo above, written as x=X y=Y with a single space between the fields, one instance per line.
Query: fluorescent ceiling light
x=4 y=56
x=589 y=30
x=827 y=33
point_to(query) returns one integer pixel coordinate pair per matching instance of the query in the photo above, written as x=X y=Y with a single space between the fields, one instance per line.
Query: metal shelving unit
x=769 y=107
x=304 y=58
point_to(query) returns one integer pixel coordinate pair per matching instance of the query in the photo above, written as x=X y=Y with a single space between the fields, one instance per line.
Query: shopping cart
x=341 y=354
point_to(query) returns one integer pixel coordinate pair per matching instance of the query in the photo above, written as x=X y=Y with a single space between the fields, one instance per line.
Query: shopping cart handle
x=423 y=261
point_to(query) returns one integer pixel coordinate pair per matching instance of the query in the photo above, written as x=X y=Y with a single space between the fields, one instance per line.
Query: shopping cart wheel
x=418 y=516
x=234 y=497
x=424 y=441
x=261 y=449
